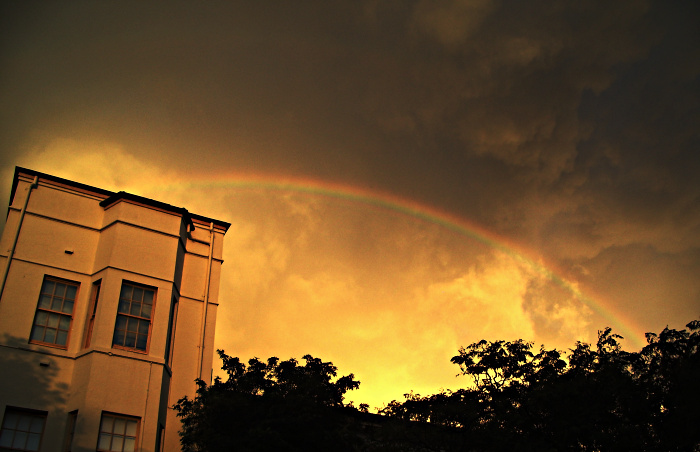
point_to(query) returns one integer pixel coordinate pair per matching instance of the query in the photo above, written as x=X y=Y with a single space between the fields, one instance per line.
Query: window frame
x=139 y=318
x=26 y=412
x=92 y=312
x=116 y=416
x=49 y=311
x=71 y=420
x=160 y=438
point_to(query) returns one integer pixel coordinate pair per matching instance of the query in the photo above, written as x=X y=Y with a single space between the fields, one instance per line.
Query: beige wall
x=126 y=241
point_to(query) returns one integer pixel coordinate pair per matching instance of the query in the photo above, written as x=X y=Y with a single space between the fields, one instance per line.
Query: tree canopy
x=590 y=398
x=593 y=398
x=264 y=406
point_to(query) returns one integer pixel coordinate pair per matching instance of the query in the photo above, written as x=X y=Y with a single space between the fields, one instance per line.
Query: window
x=22 y=429
x=94 y=298
x=160 y=438
x=54 y=312
x=134 y=317
x=118 y=433
x=70 y=431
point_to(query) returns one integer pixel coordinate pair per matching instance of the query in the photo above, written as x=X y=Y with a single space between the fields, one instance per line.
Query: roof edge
x=113 y=197
x=32 y=173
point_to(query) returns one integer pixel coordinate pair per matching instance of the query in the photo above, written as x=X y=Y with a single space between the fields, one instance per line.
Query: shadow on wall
x=28 y=378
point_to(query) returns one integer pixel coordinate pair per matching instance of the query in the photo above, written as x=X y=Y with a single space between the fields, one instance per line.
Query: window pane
x=126 y=291
x=103 y=443
x=143 y=327
x=121 y=322
x=56 y=304
x=20 y=440
x=148 y=296
x=135 y=308
x=53 y=320
x=141 y=342
x=48 y=287
x=70 y=292
x=130 y=340
x=138 y=294
x=119 y=426
x=37 y=333
x=64 y=322
x=37 y=425
x=10 y=420
x=33 y=441
x=24 y=422
x=123 y=306
x=118 y=337
x=131 y=428
x=129 y=445
x=146 y=311
x=67 y=307
x=107 y=424
x=45 y=301
x=117 y=443
x=41 y=318
x=61 y=337
x=6 y=438
x=60 y=290
x=50 y=335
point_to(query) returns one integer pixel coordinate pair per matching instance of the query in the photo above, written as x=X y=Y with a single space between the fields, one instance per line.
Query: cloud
x=651 y=288
x=559 y=312
x=485 y=302
x=396 y=341
x=99 y=163
x=567 y=129
x=452 y=22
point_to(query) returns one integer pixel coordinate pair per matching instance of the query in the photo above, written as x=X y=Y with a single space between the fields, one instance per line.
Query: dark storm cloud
x=568 y=127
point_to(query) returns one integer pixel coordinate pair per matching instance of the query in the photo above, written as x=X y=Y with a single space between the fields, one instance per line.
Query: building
x=107 y=312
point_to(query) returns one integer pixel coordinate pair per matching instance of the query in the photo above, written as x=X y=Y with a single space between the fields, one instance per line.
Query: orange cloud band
x=391 y=202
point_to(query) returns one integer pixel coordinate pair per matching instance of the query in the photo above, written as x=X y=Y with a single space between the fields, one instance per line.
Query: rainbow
x=392 y=202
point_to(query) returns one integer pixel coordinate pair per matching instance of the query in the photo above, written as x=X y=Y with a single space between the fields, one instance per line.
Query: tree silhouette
x=668 y=367
x=591 y=398
x=595 y=398
x=273 y=405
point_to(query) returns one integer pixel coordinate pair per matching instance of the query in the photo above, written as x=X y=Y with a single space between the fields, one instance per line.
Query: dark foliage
x=273 y=405
x=593 y=398
x=597 y=399
x=282 y=405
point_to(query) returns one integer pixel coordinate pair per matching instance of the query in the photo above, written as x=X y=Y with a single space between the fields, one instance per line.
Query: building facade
x=107 y=313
